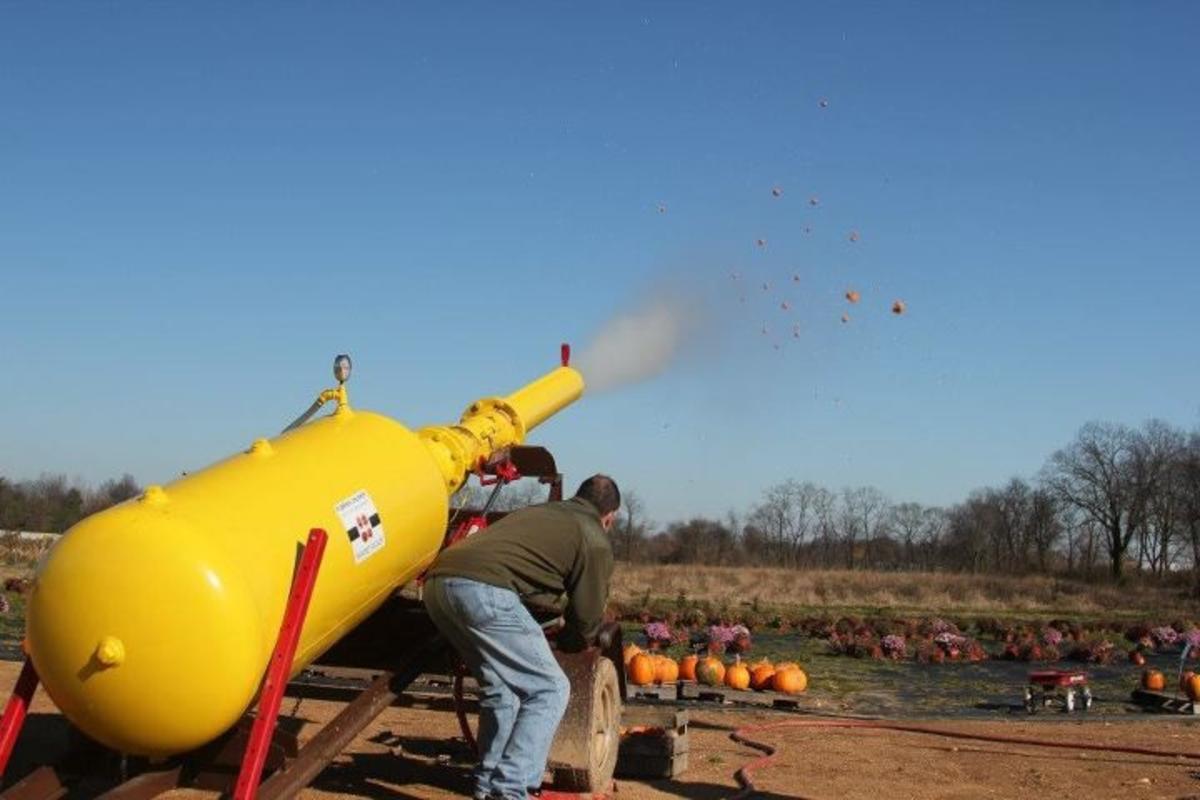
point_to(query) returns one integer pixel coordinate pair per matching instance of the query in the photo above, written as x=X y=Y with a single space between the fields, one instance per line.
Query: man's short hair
x=602 y=492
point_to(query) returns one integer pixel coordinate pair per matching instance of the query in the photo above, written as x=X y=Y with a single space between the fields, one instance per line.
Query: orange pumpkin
x=737 y=676
x=760 y=677
x=665 y=670
x=687 y=667
x=710 y=671
x=780 y=667
x=1192 y=688
x=790 y=681
x=1136 y=658
x=641 y=670
x=1153 y=680
x=629 y=651
x=1183 y=680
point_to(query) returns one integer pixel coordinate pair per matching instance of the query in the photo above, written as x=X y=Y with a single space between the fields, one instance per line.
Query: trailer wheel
x=584 y=756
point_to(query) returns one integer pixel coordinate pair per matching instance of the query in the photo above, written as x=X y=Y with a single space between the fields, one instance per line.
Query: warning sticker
x=362 y=524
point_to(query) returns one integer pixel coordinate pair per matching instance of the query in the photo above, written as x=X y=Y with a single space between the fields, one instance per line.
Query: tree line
x=52 y=504
x=1115 y=499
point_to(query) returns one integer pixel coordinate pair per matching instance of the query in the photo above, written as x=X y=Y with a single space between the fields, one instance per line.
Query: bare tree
x=110 y=493
x=630 y=532
x=697 y=541
x=934 y=523
x=968 y=532
x=908 y=521
x=1159 y=450
x=788 y=517
x=1188 y=475
x=825 y=515
x=864 y=512
x=1044 y=526
x=1099 y=474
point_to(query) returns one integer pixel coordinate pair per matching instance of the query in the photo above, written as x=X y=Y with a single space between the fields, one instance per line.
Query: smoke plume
x=636 y=345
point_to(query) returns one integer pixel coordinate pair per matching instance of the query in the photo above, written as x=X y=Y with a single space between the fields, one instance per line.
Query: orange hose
x=747 y=789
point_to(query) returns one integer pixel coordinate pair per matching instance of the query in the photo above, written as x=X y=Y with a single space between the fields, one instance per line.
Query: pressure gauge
x=341 y=368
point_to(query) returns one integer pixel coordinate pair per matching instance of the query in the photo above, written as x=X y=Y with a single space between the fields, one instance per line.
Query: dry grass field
x=640 y=585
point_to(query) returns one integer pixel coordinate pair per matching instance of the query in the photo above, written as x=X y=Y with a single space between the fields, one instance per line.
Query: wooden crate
x=663 y=755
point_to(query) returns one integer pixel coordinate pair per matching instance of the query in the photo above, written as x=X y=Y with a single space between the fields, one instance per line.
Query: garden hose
x=742 y=736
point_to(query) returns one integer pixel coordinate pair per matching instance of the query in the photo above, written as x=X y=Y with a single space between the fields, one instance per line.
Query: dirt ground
x=411 y=753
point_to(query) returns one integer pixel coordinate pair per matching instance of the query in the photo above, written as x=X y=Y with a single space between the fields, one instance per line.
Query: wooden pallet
x=645 y=755
x=1164 y=703
x=689 y=690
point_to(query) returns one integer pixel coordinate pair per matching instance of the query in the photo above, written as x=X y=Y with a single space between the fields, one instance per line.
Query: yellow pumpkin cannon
x=150 y=624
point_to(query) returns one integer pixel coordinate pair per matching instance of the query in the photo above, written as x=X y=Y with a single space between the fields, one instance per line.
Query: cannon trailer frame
x=372 y=667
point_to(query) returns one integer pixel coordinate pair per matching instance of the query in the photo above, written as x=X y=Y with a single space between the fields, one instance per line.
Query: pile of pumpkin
x=644 y=669
x=1189 y=683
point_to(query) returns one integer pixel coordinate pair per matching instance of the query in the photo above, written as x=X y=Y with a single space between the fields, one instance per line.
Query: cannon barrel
x=151 y=623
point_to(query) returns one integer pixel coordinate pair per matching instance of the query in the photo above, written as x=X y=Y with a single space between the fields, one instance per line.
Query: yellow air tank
x=151 y=623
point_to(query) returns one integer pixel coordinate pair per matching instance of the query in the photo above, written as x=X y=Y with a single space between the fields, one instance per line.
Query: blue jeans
x=523 y=691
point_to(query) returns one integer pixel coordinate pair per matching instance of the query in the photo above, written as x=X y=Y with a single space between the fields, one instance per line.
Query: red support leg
x=14 y=713
x=279 y=666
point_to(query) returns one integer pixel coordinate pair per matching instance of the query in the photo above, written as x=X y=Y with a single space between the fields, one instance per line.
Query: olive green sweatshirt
x=542 y=553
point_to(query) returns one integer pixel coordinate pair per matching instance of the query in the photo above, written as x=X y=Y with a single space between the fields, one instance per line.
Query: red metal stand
x=14 y=713
x=279 y=666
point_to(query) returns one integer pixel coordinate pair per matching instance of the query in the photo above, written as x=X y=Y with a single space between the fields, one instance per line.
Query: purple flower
x=741 y=640
x=720 y=634
x=948 y=639
x=938 y=625
x=657 y=633
x=894 y=646
x=1165 y=636
x=1193 y=637
x=1052 y=637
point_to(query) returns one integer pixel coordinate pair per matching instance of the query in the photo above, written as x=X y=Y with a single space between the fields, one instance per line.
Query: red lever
x=566 y=354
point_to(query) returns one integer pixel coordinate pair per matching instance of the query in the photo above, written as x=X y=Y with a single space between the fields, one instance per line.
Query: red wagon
x=1067 y=688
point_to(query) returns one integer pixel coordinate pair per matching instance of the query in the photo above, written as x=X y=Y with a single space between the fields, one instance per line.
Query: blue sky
x=201 y=203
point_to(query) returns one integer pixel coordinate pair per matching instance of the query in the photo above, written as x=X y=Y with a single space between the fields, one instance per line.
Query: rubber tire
x=606 y=738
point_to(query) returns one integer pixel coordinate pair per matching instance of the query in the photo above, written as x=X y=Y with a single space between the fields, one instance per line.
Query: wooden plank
x=145 y=786
x=723 y=694
x=668 y=692
x=661 y=716
x=41 y=784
